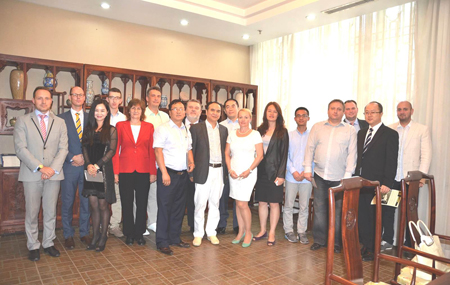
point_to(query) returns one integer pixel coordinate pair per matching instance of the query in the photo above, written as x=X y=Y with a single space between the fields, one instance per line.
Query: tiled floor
x=284 y=263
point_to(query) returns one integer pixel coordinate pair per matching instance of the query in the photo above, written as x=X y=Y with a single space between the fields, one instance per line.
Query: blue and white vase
x=49 y=80
x=89 y=92
x=105 y=87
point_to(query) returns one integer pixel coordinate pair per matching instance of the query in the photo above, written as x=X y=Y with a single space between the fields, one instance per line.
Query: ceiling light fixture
x=184 y=22
x=245 y=36
x=311 y=17
x=105 y=5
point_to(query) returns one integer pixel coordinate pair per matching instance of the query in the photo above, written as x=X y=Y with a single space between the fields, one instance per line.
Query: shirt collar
x=376 y=127
x=153 y=114
x=209 y=125
x=37 y=112
x=229 y=121
x=399 y=126
x=328 y=123
x=116 y=115
x=355 y=123
x=172 y=124
x=73 y=112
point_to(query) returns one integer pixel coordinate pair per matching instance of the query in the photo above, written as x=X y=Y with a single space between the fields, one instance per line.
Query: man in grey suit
x=351 y=113
x=73 y=167
x=40 y=140
x=208 y=147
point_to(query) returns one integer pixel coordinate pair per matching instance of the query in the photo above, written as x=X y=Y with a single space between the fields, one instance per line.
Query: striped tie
x=43 y=128
x=78 y=125
x=368 y=139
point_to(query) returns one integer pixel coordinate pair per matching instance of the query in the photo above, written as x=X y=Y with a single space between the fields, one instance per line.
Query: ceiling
x=225 y=20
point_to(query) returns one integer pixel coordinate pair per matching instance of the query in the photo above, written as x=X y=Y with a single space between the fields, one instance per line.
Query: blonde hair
x=247 y=111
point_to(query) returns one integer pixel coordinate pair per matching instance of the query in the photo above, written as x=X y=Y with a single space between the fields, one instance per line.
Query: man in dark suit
x=193 y=112
x=377 y=161
x=351 y=113
x=75 y=120
x=40 y=141
x=208 y=147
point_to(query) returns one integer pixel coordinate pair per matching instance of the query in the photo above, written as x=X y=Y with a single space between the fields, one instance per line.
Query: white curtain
x=432 y=97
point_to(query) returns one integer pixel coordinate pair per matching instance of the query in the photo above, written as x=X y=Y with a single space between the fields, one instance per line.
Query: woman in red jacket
x=134 y=169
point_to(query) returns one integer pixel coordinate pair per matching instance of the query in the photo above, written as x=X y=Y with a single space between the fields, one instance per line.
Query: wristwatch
x=40 y=166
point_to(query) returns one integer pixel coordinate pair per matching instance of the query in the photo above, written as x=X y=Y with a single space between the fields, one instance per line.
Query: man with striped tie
x=377 y=161
x=73 y=167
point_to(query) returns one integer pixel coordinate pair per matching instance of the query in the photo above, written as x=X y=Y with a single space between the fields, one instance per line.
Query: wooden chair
x=350 y=236
x=408 y=212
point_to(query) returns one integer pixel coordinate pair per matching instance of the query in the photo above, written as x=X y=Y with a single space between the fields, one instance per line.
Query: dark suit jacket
x=380 y=159
x=276 y=156
x=75 y=147
x=134 y=156
x=362 y=124
x=200 y=150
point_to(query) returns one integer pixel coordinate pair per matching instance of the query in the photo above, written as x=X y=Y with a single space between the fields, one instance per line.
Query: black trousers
x=171 y=204
x=131 y=184
x=190 y=203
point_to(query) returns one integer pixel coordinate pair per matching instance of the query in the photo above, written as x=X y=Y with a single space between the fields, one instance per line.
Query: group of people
x=150 y=166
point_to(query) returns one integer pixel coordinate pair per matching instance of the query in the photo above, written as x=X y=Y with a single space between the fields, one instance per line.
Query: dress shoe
x=244 y=245
x=166 y=250
x=69 y=243
x=52 y=251
x=316 y=246
x=236 y=230
x=141 y=241
x=197 y=241
x=368 y=256
x=260 y=237
x=129 y=241
x=337 y=249
x=214 y=240
x=34 y=255
x=101 y=244
x=182 y=244
x=237 y=241
x=86 y=240
x=220 y=231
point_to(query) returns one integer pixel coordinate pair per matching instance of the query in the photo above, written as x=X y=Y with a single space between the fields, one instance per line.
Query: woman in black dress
x=271 y=170
x=99 y=147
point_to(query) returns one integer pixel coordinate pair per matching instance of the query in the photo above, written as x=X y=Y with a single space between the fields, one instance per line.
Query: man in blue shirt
x=295 y=180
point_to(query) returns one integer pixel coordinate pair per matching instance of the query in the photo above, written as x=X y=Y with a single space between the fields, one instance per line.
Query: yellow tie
x=78 y=125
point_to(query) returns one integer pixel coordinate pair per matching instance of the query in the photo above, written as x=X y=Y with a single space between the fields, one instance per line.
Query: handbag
x=98 y=177
x=429 y=244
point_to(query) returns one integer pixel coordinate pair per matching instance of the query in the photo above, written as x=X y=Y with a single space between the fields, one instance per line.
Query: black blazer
x=380 y=159
x=200 y=150
x=362 y=124
x=275 y=158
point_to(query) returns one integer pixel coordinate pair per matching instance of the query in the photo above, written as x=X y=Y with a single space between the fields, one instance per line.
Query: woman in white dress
x=243 y=152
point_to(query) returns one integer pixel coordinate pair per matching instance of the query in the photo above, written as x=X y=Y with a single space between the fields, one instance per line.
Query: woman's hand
x=279 y=181
x=152 y=178
x=245 y=174
x=233 y=174
x=92 y=170
x=116 y=178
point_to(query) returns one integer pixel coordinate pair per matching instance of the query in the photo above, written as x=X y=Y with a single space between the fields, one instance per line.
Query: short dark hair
x=351 y=101
x=176 y=101
x=41 y=88
x=380 y=107
x=132 y=103
x=153 y=88
x=114 y=89
x=230 y=99
x=336 y=101
x=213 y=102
x=301 y=108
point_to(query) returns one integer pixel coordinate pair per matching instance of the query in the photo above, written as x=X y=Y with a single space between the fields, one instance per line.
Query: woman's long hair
x=89 y=130
x=279 y=127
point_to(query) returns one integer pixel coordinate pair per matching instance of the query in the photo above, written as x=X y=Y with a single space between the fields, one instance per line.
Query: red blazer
x=131 y=156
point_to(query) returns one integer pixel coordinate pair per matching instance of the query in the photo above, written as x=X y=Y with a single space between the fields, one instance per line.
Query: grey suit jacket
x=200 y=150
x=33 y=151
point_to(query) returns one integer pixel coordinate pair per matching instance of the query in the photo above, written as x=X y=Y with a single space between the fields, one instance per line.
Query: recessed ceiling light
x=246 y=37
x=311 y=17
x=184 y=22
x=105 y=5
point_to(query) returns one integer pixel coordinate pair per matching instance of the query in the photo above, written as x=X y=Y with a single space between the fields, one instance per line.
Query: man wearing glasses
x=115 y=99
x=73 y=168
x=173 y=150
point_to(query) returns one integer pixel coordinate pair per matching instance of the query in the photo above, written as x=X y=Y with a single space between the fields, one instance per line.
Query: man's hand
x=78 y=160
x=166 y=178
x=298 y=176
x=47 y=172
x=191 y=167
x=308 y=176
x=384 y=189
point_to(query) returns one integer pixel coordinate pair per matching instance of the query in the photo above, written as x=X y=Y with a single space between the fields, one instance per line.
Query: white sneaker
x=152 y=227
x=116 y=232
x=147 y=233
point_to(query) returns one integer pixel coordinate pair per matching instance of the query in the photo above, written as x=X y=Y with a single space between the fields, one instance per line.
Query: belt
x=173 y=171
x=215 y=165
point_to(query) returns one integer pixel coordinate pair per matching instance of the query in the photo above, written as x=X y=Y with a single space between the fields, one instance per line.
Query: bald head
x=404 y=112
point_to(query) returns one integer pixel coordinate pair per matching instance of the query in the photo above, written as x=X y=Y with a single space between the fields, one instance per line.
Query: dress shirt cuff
x=347 y=175
x=293 y=170
x=56 y=172
x=308 y=169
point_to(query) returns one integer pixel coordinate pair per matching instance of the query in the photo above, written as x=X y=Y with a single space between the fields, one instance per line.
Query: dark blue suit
x=73 y=178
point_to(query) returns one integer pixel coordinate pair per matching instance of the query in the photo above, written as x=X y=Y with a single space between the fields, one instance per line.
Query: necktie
x=43 y=128
x=368 y=139
x=78 y=125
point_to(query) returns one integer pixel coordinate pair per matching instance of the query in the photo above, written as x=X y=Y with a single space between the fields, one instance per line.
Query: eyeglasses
x=79 y=95
x=302 y=116
x=370 y=113
x=177 y=109
x=114 y=98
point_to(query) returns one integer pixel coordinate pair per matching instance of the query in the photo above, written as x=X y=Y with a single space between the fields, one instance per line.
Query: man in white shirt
x=231 y=122
x=115 y=99
x=173 y=151
x=332 y=147
x=156 y=117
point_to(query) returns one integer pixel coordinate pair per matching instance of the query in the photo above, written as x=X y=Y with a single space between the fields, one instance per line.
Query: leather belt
x=173 y=171
x=215 y=165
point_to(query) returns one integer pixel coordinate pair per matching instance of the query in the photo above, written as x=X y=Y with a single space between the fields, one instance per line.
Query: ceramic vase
x=13 y=121
x=16 y=81
x=89 y=92
x=49 y=80
x=163 y=101
x=250 y=102
x=105 y=87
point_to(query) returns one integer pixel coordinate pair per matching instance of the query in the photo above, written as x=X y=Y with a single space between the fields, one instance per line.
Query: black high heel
x=101 y=247
x=93 y=244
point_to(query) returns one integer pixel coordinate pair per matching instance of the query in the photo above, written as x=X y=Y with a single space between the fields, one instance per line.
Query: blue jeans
x=320 y=226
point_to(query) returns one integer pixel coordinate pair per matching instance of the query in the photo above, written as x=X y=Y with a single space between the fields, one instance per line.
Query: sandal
x=260 y=237
x=271 y=243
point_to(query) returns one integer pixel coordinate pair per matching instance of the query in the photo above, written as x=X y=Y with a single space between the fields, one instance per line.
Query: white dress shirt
x=156 y=119
x=215 y=155
x=74 y=117
x=118 y=117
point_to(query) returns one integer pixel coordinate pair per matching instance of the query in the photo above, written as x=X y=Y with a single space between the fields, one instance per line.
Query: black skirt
x=267 y=191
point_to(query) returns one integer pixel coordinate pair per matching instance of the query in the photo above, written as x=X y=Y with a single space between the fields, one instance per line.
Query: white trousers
x=304 y=193
x=210 y=193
